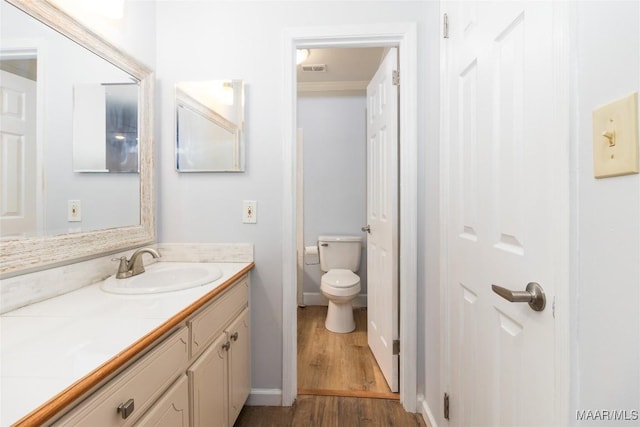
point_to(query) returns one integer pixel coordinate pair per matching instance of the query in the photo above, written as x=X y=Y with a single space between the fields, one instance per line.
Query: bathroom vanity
x=93 y=358
x=71 y=353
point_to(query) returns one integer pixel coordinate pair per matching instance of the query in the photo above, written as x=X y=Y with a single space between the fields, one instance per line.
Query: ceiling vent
x=316 y=68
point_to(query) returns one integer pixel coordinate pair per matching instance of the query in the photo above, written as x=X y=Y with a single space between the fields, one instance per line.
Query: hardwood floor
x=337 y=364
x=334 y=411
x=339 y=382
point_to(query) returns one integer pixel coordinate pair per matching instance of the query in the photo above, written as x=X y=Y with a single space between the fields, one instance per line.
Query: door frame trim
x=403 y=36
x=563 y=26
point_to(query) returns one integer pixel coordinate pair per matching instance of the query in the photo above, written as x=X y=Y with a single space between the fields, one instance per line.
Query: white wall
x=200 y=40
x=335 y=174
x=606 y=216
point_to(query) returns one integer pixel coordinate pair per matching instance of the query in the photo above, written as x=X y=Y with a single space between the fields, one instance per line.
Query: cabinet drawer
x=143 y=382
x=211 y=321
x=172 y=409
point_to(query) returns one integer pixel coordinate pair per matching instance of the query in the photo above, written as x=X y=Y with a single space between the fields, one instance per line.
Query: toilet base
x=340 y=317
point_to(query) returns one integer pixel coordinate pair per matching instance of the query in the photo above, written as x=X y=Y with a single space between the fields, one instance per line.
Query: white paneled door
x=382 y=217
x=17 y=155
x=501 y=122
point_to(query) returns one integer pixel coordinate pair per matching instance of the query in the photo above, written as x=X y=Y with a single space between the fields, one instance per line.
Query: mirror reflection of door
x=18 y=147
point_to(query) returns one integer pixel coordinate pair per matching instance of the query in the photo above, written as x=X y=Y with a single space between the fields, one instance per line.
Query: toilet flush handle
x=366 y=228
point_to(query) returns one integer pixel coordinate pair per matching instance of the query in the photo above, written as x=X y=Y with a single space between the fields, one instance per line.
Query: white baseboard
x=265 y=397
x=426 y=413
x=316 y=298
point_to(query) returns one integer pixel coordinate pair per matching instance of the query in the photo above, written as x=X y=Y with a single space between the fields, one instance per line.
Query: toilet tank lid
x=341 y=238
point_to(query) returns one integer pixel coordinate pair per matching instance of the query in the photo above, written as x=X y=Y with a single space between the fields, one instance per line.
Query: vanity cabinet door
x=239 y=364
x=208 y=385
x=172 y=409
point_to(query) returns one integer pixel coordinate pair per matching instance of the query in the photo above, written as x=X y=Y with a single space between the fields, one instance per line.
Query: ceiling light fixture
x=301 y=55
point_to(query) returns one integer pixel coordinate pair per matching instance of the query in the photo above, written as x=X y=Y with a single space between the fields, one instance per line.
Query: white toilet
x=340 y=259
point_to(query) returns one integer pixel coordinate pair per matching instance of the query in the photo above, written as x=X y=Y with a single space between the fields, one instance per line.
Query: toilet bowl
x=340 y=259
x=340 y=287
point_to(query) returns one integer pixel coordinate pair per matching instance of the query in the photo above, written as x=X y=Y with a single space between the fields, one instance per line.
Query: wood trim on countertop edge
x=53 y=406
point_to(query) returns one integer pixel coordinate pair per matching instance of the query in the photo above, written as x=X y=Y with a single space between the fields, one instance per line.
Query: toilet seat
x=340 y=283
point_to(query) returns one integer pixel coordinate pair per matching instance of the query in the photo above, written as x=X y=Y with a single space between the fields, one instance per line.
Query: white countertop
x=48 y=346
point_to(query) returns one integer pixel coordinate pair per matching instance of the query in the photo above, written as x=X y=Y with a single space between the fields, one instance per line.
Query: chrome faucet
x=134 y=265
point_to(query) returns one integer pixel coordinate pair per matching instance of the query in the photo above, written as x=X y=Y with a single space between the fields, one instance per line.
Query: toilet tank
x=339 y=252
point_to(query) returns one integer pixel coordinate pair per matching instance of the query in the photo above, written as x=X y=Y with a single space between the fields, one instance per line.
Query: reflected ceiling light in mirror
x=82 y=9
x=227 y=93
x=217 y=92
x=301 y=55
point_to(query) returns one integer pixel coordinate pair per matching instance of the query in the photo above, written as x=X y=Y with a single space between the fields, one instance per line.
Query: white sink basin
x=164 y=277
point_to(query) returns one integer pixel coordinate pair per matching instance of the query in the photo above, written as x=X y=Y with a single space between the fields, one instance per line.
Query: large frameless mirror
x=210 y=126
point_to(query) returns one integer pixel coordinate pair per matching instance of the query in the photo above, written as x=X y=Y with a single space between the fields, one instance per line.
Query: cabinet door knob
x=234 y=336
x=125 y=409
x=226 y=346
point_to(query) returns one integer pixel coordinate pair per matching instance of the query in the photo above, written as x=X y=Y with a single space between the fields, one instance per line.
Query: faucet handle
x=123 y=267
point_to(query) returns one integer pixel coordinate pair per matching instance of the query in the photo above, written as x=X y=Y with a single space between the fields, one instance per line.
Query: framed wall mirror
x=73 y=80
x=210 y=126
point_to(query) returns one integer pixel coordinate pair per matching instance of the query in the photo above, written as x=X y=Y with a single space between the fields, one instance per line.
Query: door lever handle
x=534 y=295
x=366 y=228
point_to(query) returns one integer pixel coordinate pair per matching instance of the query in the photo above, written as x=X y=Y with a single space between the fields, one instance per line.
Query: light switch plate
x=615 y=138
x=74 y=211
x=249 y=212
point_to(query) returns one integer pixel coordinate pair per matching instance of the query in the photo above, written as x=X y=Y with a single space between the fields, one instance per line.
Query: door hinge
x=446 y=406
x=396 y=77
x=445 y=26
x=396 y=347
